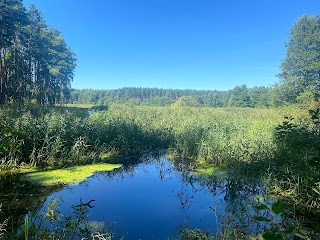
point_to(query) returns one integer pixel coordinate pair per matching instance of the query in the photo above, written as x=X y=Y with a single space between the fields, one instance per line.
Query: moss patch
x=71 y=175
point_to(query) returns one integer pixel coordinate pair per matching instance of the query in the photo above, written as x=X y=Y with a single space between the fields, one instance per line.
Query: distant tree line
x=240 y=96
x=36 y=63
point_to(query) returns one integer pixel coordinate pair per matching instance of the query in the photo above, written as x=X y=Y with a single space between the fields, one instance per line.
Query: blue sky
x=194 y=44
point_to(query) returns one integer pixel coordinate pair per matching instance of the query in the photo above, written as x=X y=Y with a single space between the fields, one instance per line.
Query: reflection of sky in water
x=151 y=202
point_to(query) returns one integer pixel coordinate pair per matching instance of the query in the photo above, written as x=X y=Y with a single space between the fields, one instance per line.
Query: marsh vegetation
x=238 y=145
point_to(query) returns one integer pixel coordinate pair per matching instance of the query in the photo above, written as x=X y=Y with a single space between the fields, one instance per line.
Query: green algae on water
x=70 y=175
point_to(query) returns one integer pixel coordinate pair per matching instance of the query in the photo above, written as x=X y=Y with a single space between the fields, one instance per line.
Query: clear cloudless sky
x=194 y=44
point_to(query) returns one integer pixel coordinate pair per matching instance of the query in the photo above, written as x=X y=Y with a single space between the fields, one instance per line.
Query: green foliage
x=73 y=226
x=300 y=68
x=60 y=136
x=306 y=97
x=185 y=101
x=10 y=148
x=3 y=226
x=277 y=207
x=36 y=64
x=292 y=174
x=275 y=228
x=99 y=108
x=272 y=235
x=240 y=96
x=26 y=227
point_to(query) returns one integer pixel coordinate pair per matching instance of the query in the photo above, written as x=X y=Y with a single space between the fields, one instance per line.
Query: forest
x=254 y=152
x=240 y=96
x=36 y=63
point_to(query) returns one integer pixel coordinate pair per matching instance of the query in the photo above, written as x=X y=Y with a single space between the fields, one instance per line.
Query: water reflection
x=151 y=198
x=17 y=198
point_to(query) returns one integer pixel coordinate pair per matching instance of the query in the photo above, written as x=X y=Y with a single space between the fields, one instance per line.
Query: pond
x=155 y=198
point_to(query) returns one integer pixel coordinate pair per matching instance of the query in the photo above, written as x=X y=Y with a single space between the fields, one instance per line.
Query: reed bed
x=212 y=135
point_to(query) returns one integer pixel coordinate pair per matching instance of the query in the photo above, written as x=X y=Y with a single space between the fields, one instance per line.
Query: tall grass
x=56 y=136
x=3 y=226
x=211 y=135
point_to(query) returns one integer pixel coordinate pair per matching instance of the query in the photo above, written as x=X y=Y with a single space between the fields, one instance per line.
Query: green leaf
x=290 y=230
x=271 y=235
x=316 y=191
x=261 y=219
x=278 y=207
x=8 y=134
x=262 y=207
x=2 y=149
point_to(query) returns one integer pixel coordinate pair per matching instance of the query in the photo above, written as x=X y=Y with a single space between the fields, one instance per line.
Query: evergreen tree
x=12 y=19
x=35 y=63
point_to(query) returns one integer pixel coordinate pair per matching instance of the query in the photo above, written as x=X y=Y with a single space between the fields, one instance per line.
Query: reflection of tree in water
x=233 y=195
x=238 y=194
x=239 y=197
x=20 y=197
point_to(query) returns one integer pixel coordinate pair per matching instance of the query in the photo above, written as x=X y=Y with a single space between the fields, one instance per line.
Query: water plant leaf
x=261 y=219
x=262 y=207
x=278 y=207
x=272 y=235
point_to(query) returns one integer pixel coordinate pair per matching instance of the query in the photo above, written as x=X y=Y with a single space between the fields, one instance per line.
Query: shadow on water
x=17 y=198
x=149 y=197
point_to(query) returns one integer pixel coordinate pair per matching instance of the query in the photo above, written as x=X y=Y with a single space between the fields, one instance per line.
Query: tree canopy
x=36 y=63
x=301 y=67
x=240 y=96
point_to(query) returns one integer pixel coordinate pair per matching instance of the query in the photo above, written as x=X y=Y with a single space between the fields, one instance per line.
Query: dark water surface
x=152 y=200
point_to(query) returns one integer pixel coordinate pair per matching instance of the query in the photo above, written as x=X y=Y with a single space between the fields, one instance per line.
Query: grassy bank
x=213 y=135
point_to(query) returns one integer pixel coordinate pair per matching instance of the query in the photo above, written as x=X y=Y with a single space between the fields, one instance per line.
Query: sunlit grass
x=70 y=175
